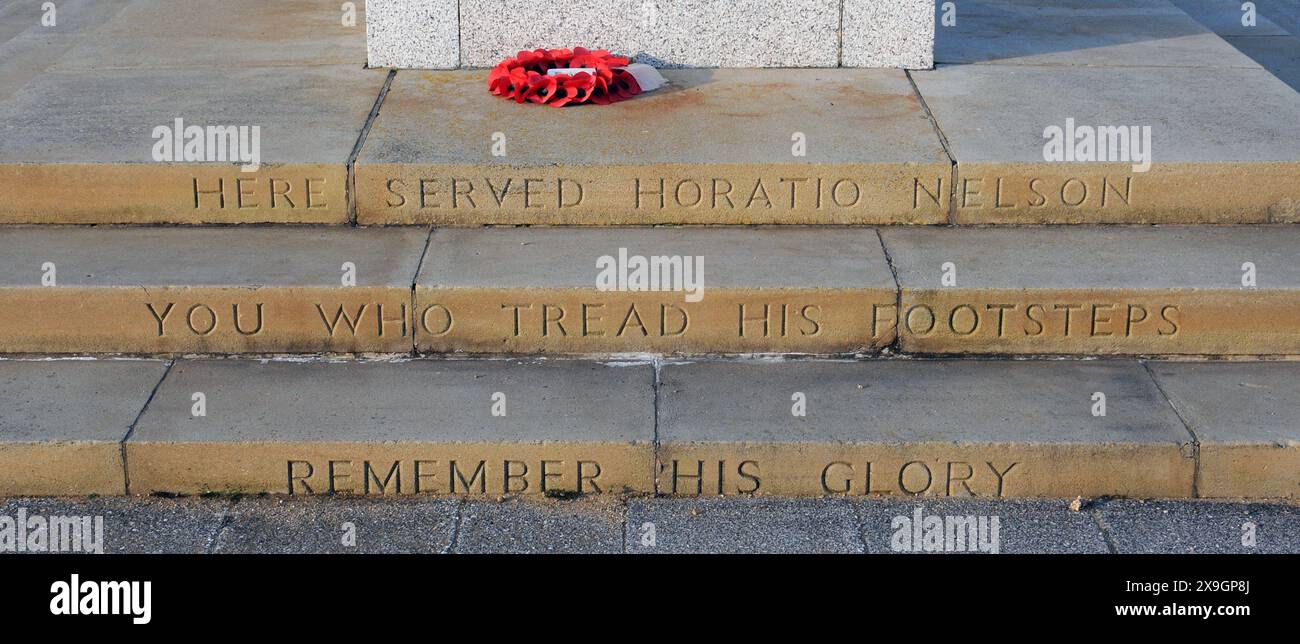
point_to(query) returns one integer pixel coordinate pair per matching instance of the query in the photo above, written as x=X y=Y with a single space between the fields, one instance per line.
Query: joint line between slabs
x=126 y=473
x=227 y=516
x=415 y=277
x=657 y=364
x=455 y=528
x=897 y=343
x=943 y=142
x=1105 y=530
x=1196 y=440
x=839 y=43
x=361 y=141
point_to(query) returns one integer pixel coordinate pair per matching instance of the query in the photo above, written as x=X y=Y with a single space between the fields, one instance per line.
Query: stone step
x=519 y=290
x=444 y=34
x=94 y=147
x=1098 y=290
x=89 y=105
x=719 y=146
x=716 y=148
x=803 y=428
x=800 y=290
x=206 y=290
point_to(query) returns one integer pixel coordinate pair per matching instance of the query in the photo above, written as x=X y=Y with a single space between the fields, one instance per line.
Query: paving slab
x=1280 y=55
x=1231 y=17
x=188 y=34
x=1024 y=526
x=418 y=34
x=62 y=423
x=101 y=146
x=1222 y=152
x=1283 y=13
x=129 y=526
x=579 y=290
x=1187 y=527
x=1005 y=429
x=206 y=290
x=1098 y=290
x=585 y=526
x=1143 y=33
x=740 y=33
x=742 y=526
x=322 y=526
x=396 y=428
x=719 y=146
x=32 y=38
x=1246 y=417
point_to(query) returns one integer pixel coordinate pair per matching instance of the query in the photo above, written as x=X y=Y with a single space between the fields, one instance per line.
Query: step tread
x=1081 y=258
x=734 y=258
x=224 y=257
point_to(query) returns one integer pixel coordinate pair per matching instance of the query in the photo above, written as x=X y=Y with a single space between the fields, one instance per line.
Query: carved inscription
x=641 y=193
x=577 y=320
x=1046 y=319
x=443 y=476
x=169 y=318
x=259 y=192
x=693 y=477
x=1030 y=192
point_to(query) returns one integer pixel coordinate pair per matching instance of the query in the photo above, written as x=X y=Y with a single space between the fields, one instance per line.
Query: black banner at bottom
x=179 y=592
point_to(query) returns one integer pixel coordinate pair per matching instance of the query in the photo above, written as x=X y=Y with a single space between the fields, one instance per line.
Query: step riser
x=445 y=34
x=1006 y=429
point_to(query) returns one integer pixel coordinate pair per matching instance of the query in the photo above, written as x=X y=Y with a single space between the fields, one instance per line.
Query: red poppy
x=541 y=89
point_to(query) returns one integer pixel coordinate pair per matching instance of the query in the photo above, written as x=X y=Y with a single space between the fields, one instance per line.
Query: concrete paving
x=1110 y=33
x=193 y=34
x=1230 y=18
x=644 y=525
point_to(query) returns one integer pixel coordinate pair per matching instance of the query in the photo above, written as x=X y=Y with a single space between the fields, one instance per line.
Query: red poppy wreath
x=559 y=77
